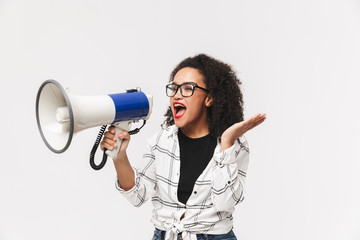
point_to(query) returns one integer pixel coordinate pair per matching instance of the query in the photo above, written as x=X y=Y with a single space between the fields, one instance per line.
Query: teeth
x=179 y=105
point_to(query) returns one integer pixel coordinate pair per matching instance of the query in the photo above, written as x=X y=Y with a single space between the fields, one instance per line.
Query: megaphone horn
x=60 y=114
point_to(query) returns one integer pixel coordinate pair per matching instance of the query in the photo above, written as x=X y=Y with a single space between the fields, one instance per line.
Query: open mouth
x=179 y=109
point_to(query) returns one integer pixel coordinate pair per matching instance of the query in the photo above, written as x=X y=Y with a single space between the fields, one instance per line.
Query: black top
x=195 y=154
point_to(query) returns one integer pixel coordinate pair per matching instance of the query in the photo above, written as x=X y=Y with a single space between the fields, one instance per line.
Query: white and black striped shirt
x=217 y=190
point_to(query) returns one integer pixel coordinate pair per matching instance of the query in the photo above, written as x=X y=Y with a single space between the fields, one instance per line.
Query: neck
x=196 y=131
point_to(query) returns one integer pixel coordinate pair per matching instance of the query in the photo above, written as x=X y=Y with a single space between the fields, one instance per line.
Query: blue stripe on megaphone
x=130 y=106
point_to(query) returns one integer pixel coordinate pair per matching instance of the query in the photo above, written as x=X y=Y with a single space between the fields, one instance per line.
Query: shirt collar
x=172 y=132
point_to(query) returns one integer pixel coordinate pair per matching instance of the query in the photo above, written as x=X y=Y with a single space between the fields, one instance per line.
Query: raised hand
x=238 y=129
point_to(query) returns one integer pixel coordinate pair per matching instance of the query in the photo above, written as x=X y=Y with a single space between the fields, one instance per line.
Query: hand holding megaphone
x=111 y=138
x=118 y=128
x=60 y=114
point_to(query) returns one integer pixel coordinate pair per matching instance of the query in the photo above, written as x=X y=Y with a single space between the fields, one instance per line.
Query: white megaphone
x=60 y=114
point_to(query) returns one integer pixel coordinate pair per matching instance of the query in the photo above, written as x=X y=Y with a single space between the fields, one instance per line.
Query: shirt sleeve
x=145 y=179
x=228 y=175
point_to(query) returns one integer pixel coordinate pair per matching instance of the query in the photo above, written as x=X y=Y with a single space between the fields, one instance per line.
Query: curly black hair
x=223 y=85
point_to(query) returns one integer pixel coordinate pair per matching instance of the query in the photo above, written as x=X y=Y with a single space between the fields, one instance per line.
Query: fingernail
x=114 y=138
x=115 y=144
x=111 y=148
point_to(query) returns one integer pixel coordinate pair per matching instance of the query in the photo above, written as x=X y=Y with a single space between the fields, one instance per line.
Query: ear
x=209 y=100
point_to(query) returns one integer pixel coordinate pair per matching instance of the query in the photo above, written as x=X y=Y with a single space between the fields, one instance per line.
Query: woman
x=194 y=168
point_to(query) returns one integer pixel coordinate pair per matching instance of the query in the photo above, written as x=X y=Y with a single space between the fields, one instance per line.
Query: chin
x=179 y=123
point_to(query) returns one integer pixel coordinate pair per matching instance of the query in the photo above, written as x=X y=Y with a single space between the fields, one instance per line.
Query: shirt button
x=195 y=192
x=229 y=182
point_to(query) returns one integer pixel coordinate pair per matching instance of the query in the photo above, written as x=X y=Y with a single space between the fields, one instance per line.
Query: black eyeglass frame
x=180 y=86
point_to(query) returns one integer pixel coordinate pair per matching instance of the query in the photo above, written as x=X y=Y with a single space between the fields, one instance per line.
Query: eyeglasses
x=186 y=89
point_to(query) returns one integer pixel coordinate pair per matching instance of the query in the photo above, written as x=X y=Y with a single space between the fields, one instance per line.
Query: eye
x=172 y=87
x=188 y=87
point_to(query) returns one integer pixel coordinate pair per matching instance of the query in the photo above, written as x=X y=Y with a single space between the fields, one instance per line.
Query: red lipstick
x=179 y=109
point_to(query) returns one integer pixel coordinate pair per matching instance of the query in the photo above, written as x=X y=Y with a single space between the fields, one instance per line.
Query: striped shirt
x=217 y=190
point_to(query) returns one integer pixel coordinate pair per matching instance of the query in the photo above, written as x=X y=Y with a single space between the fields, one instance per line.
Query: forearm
x=124 y=171
x=228 y=176
x=226 y=143
x=227 y=187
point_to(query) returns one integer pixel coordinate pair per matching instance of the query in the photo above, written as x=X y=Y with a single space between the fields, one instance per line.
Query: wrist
x=121 y=157
x=225 y=145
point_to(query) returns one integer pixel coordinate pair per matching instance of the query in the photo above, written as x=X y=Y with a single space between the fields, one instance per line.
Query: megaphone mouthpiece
x=62 y=115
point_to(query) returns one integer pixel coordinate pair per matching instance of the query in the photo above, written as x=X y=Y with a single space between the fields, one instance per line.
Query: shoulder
x=163 y=134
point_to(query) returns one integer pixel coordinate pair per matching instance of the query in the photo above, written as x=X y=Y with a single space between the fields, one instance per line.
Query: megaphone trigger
x=119 y=127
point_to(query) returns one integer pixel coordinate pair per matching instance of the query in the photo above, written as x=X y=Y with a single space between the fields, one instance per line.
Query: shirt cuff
x=118 y=187
x=231 y=154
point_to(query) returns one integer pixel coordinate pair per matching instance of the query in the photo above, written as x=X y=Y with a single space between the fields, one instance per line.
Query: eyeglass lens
x=186 y=90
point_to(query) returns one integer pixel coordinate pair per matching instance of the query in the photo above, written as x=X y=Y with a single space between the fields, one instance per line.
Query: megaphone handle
x=119 y=127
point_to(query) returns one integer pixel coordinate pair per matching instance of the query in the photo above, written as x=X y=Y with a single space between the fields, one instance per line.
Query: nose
x=178 y=94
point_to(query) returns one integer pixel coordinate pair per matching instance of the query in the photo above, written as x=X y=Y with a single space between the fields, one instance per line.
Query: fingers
x=250 y=123
x=259 y=118
x=256 y=120
x=111 y=129
x=124 y=136
x=109 y=140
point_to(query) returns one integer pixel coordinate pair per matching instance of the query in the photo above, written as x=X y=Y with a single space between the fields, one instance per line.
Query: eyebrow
x=184 y=83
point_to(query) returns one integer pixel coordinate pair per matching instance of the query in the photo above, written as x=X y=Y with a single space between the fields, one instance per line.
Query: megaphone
x=60 y=114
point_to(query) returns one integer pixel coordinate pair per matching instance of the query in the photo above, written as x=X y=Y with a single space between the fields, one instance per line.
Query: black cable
x=136 y=130
x=95 y=147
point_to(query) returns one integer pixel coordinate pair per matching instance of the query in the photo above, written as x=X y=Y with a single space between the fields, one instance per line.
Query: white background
x=298 y=60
